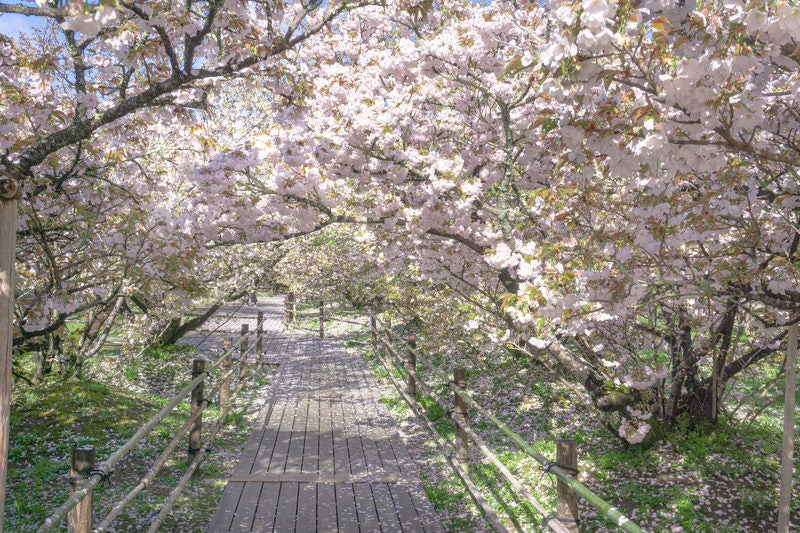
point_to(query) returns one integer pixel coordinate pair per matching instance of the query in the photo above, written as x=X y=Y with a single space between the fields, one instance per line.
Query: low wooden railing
x=85 y=474
x=564 y=468
x=291 y=314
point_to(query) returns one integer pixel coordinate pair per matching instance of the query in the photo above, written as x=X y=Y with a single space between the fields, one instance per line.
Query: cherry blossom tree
x=685 y=117
x=627 y=172
x=101 y=76
x=91 y=99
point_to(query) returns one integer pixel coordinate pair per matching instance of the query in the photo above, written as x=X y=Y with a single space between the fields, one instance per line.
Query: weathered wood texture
x=327 y=456
x=80 y=517
x=8 y=235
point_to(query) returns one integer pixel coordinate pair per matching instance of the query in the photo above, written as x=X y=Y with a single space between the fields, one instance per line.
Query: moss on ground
x=50 y=419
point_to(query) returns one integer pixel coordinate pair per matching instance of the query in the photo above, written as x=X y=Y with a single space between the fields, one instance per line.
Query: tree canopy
x=611 y=186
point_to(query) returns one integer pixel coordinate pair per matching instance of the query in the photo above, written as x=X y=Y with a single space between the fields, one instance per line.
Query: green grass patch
x=719 y=477
x=47 y=422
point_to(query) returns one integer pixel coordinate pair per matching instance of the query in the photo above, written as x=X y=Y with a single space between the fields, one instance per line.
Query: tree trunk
x=683 y=366
x=698 y=403
x=177 y=330
x=39 y=357
x=98 y=340
x=787 y=463
x=54 y=353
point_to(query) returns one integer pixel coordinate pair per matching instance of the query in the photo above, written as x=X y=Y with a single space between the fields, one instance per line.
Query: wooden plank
x=326 y=507
x=250 y=450
x=246 y=510
x=365 y=507
x=264 y=519
x=280 y=451
x=260 y=459
x=253 y=444
x=371 y=432
x=226 y=510
x=384 y=505
x=389 y=461
x=326 y=455
x=346 y=514
x=341 y=456
x=294 y=455
x=406 y=510
x=355 y=447
x=287 y=507
x=371 y=454
x=307 y=507
x=311 y=452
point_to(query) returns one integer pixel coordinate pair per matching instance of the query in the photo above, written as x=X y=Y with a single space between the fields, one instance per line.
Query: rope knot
x=550 y=464
x=104 y=478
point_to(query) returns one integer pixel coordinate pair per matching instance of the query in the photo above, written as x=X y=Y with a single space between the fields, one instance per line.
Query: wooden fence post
x=460 y=416
x=195 y=434
x=10 y=193
x=289 y=309
x=322 y=319
x=227 y=363
x=243 y=351
x=411 y=366
x=387 y=338
x=260 y=336
x=567 y=509
x=373 y=329
x=80 y=517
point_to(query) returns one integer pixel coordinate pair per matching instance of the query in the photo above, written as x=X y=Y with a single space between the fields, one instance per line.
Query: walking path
x=326 y=455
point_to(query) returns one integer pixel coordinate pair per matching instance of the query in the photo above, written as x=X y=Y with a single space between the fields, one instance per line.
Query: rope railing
x=344 y=320
x=478 y=440
x=291 y=315
x=558 y=470
x=608 y=510
x=86 y=483
x=61 y=513
x=231 y=315
x=228 y=318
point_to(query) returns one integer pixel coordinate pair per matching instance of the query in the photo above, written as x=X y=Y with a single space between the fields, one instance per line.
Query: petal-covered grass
x=50 y=419
x=716 y=478
x=720 y=478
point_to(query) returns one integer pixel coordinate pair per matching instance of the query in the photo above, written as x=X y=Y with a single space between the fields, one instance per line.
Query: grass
x=719 y=477
x=716 y=478
x=46 y=424
x=50 y=419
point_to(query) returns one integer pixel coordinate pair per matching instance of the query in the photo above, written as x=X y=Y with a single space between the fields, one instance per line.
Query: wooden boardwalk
x=327 y=456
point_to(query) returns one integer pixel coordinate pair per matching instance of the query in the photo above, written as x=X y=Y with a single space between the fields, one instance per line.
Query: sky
x=12 y=24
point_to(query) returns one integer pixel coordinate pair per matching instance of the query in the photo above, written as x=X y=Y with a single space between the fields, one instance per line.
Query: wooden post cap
x=83 y=458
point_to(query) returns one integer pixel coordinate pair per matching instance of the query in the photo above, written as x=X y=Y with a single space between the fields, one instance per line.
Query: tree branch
x=21 y=9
